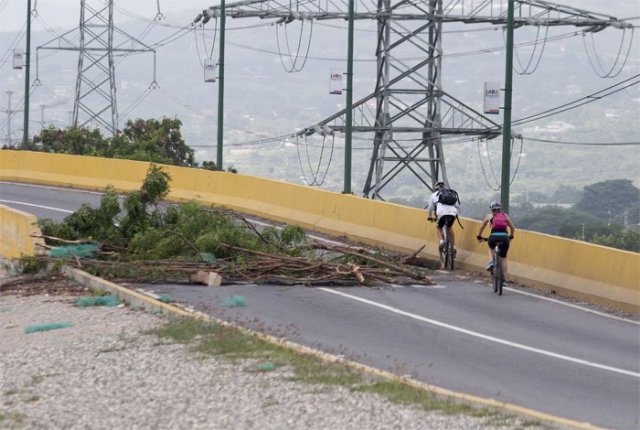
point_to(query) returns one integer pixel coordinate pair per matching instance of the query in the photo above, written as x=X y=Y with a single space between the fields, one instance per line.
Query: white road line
x=483 y=336
x=571 y=305
x=37 y=206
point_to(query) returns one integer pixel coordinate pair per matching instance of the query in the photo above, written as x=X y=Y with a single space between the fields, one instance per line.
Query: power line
x=452 y=55
x=582 y=143
x=581 y=101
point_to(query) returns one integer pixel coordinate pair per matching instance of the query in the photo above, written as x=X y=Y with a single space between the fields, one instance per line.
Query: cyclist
x=500 y=223
x=444 y=214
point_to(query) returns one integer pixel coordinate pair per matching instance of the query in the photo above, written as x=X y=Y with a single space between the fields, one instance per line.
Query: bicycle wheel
x=497 y=279
x=449 y=250
x=443 y=249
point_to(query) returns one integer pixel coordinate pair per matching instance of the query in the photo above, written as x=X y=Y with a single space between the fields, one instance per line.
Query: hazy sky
x=66 y=13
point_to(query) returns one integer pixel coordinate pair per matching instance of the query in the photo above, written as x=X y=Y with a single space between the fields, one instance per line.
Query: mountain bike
x=497 y=272
x=447 y=251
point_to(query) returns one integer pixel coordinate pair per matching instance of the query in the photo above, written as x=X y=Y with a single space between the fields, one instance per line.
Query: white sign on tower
x=17 y=58
x=209 y=71
x=492 y=98
x=335 y=82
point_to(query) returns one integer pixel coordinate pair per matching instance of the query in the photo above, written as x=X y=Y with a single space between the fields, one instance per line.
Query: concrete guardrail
x=577 y=269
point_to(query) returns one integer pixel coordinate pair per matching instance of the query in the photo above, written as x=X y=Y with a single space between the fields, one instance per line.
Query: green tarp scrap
x=110 y=300
x=46 y=327
x=266 y=366
x=83 y=250
x=234 y=301
x=165 y=298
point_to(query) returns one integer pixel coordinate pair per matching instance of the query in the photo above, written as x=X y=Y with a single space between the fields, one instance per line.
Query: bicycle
x=497 y=273
x=446 y=251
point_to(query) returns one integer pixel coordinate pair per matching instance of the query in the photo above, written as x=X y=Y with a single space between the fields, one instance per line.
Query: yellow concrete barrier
x=17 y=229
x=577 y=269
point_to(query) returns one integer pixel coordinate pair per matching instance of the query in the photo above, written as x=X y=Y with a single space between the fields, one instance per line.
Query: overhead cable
x=559 y=142
x=598 y=95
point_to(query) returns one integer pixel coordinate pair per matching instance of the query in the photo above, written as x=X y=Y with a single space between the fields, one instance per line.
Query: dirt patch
x=40 y=284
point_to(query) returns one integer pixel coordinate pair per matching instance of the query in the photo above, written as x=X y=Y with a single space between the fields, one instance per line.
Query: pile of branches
x=144 y=241
x=327 y=265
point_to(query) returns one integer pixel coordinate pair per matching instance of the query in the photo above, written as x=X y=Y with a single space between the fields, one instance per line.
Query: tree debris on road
x=139 y=242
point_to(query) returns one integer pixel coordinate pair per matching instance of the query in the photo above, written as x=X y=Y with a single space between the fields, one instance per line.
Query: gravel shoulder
x=107 y=371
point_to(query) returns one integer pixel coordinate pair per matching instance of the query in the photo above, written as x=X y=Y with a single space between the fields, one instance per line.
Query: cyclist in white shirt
x=444 y=214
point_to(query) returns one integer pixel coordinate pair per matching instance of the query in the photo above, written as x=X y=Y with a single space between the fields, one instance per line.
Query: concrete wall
x=585 y=271
x=16 y=231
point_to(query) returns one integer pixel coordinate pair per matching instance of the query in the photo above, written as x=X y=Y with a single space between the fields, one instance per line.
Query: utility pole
x=221 y=88
x=9 y=112
x=506 y=126
x=349 y=108
x=25 y=135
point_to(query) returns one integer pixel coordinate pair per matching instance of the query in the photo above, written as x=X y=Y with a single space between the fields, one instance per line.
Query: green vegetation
x=144 y=241
x=188 y=230
x=607 y=213
x=157 y=141
x=106 y=224
x=12 y=419
x=401 y=393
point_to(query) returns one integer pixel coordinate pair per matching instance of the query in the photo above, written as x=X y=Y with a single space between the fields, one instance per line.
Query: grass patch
x=99 y=292
x=184 y=330
x=532 y=423
x=401 y=393
x=233 y=344
x=112 y=349
x=15 y=418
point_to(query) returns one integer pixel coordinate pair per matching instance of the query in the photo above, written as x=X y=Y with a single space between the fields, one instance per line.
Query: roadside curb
x=151 y=305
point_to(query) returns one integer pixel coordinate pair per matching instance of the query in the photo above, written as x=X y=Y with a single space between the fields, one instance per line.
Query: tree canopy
x=157 y=141
x=608 y=199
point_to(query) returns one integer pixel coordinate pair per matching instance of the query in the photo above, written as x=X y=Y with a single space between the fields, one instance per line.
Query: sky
x=66 y=13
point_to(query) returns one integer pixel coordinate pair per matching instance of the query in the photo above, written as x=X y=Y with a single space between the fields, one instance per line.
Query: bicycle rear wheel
x=497 y=276
x=449 y=251
x=442 y=249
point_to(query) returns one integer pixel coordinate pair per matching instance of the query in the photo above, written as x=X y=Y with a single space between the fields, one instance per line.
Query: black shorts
x=504 y=243
x=446 y=219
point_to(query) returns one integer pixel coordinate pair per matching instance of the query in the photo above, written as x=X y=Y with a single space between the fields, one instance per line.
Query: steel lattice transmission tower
x=99 y=43
x=409 y=103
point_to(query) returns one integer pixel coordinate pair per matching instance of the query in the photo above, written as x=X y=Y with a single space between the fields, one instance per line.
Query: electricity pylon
x=100 y=42
x=409 y=112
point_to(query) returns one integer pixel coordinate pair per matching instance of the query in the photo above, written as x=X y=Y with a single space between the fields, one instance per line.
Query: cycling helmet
x=495 y=205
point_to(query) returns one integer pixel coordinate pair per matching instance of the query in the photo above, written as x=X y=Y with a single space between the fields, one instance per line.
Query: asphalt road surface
x=521 y=348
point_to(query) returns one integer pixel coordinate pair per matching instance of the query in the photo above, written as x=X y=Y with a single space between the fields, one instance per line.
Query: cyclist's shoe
x=490 y=266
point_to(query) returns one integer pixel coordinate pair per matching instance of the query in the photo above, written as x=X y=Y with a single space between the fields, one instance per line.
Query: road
x=521 y=348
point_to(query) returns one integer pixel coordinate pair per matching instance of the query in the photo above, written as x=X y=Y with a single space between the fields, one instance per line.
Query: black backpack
x=448 y=197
